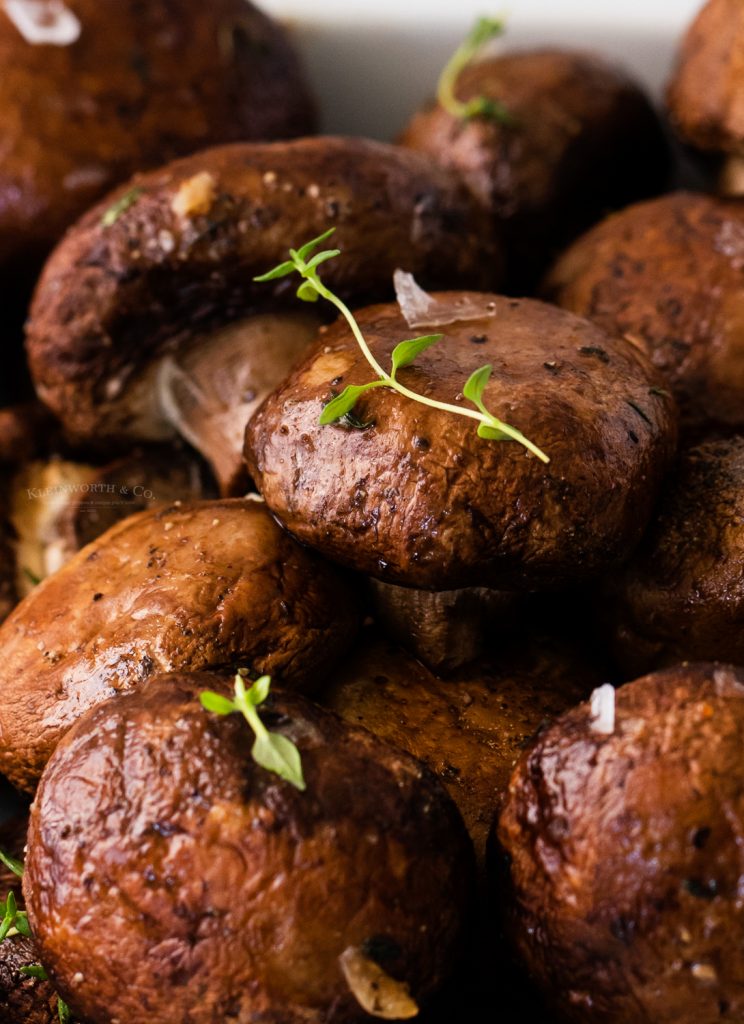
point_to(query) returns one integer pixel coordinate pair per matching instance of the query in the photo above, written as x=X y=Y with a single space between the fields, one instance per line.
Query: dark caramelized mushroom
x=151 y=326
x=213 y=890
x=188 y=587
x=622 y=839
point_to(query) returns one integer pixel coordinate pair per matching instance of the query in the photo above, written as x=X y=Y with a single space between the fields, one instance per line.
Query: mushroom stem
x=445 y=629
x=209 y=390
x=731 y=178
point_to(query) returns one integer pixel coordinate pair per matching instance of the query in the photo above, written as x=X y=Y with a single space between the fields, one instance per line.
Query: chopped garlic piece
x=42 y=22
x=376 y=992
x=195 y=196
x=603 y=710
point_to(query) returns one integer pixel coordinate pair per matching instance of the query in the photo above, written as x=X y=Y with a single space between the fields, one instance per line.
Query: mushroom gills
x=209 y=390
x=445 y=629
x=731 y=178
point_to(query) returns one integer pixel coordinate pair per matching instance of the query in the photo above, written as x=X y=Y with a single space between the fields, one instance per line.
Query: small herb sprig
x=271 y=750
x=484 y=30
x=303 y=262
x=15 y=922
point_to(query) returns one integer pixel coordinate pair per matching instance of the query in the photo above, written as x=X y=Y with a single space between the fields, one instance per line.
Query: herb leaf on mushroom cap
x=271 y=750
x=312 y=288
x=484 y=30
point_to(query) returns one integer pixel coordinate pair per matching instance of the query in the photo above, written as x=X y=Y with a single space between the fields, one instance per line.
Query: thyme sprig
x=303 y=262
x=271 y=750
x=484 y=30
x=15 y=922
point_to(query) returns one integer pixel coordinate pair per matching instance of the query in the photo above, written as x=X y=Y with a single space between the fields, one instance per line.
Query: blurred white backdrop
x=373 y=61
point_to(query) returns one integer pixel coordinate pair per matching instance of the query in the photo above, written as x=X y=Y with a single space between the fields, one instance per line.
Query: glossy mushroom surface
x=192 y=586
x=212 y=889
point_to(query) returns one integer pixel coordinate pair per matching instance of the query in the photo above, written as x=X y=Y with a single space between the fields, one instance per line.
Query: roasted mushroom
x=147 y=323
x=417 y=499
x=192 y=586
x=58 y=506
x=705 y=97
x=203 y=886
x=621 y=835
x=667 y=275
x=470 y=729
x=568 y=149
x=681 y=596
x=92 y=92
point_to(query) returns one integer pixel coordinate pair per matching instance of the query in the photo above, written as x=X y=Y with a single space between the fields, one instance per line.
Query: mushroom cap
x=208 y=886
x=681 y=596
x=568 y=154
x=188 y=587
x=418 y=499
x=470 y=729
x=142 y=84
x=27 y=431
x=667 y=274
x=624 y=854
x=180 y=260
x=705 y=97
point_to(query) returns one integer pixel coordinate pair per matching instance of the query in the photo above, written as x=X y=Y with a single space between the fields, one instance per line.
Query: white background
x=373 y=61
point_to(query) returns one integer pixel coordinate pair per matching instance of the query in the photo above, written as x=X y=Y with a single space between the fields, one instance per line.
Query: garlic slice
x=376 y=992
x=420 y=309
x=44 y=22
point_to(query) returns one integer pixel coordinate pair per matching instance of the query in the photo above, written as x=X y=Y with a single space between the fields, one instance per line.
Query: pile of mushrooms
x=355 y=485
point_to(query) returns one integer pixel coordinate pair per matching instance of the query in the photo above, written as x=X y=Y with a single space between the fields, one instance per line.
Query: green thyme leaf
x=216 y=703
x=34 y=971
x=121 y=206
x=476 y=384
x=21 y=924
x=16 y=866
x=308 y=292
x=31 y=576
x=270 y=750
x=484 y=30
x=342 y=405
x=259 y=691
x=407 y=351
x=304 y=251
x=63 y=1012
x=283 y=270
x=279 y=755
x=493 y=433
x=323 y=257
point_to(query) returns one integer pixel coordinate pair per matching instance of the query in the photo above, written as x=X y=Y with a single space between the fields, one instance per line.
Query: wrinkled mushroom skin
x=704 y=98
x=667 y=274
x=681 y=596
x=143 y=84
x=211 y=584
x=179 y=262
x=569 y=153
x=623 y=854
x=418 y=499
x=212 y=889
x=470 y=729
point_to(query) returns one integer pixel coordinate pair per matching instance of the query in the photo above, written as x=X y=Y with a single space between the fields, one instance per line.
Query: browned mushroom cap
x=193 y=586
x=681 y=597
x=582 y=138
x=58 y=506
x=114 y=88
x=469 y=730
x=207 y=887
x=668 y=275
x=624 y=849
x=706 y=94
x=153 y=324
x=26 y=432
x=417 y=498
